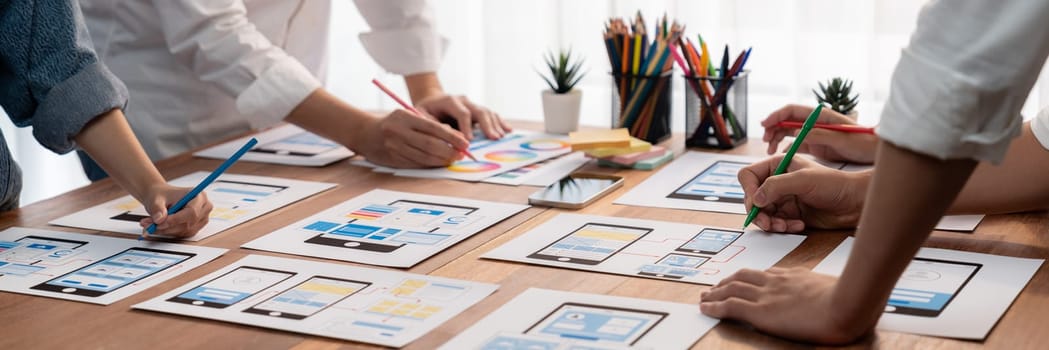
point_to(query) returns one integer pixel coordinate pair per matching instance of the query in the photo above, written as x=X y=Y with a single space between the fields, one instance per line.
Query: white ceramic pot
x=561 y=111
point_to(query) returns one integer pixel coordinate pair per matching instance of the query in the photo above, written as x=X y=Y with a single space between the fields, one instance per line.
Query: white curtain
x=497 y=48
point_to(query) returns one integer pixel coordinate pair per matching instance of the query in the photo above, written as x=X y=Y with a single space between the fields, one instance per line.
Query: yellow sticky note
x=583 y=140
x=636 y=145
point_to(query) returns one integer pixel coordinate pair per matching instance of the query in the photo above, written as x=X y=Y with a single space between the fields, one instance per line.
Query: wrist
x=422 y=86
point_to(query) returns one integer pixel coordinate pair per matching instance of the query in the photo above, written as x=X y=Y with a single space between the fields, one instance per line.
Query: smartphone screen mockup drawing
x=232 y=287
x=114 y=272
x=710 y=241
x=308 y=298
x=30 y=249
x=303 y=144
x=717 y=183
x=385 y=228
x=597 y=323
x=591 y=244
x=928 y=285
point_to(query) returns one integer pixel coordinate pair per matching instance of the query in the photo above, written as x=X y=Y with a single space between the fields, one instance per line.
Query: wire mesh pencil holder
x=646 y=110
x=725 y=125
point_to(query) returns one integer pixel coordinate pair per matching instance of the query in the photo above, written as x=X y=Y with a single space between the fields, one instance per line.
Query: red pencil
x=413 y=110
x=836 y=127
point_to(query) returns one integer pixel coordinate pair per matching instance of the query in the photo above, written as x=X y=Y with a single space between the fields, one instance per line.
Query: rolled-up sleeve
x=959 y=86
x=53 y=80
x=403 y=38
x=215 y=39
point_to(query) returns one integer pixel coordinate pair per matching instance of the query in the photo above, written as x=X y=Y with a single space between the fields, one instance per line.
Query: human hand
x=807 y=195
x=186 y=222
x=791 y=303
x=465 y=114
x=826 y=144
x=405 y=140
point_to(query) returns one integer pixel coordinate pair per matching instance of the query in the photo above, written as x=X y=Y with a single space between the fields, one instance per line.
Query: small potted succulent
x=561 y=102
x=836 y=96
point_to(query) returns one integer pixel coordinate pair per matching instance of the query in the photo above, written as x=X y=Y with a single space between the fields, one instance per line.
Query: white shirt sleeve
x=403 y=37
x=960 y=83
x=217 y=42
x=1040 y=128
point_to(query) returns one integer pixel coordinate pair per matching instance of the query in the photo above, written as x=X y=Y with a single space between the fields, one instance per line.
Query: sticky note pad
x=631 y=158
x=652 y=163
x=584 y=140
x=646 y=164
x=636 y=145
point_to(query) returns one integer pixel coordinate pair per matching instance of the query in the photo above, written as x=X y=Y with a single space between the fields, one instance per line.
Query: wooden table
x=37 y=322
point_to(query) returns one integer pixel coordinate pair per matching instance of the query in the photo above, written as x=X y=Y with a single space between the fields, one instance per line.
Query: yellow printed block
x=128 y=206
x=327 y=288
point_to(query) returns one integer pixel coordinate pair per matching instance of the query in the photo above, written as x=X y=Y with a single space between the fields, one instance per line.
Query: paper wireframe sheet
x=494 y=157
x=88 y=268
x=708 y=182
x=381 y=307
x=236 y=200
x=646 y=248
x=287 y=145
x=549 y=319
x=541 y=174
x=386 y=228
x=961 y=223
x=947 y=293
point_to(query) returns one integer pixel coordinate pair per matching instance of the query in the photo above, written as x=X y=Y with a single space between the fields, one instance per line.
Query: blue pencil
x=204 y=184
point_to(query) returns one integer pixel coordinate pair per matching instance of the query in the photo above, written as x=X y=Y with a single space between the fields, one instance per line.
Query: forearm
x=1014 y=185
x=423 y=85
x=110 y=142
x=908 y=194
x=326 y=115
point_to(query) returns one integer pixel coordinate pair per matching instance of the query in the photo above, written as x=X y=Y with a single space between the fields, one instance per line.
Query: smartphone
x=576 y=190
x=232 y=287
x=308 y=298
x=928 y=285
x=114 y=272
x=709 y=241
x=597 y=323
x=717 y=183
x=591 y=244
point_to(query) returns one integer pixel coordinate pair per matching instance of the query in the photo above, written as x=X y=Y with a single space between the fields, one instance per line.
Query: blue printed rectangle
x=354 y=230
x=424 y=238
x=321 y=226
x=422 y=211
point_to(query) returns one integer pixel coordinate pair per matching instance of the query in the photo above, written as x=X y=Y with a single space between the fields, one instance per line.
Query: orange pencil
x=413 y=110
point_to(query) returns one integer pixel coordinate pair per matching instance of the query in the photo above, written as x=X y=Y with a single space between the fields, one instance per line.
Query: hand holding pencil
x=835 y=137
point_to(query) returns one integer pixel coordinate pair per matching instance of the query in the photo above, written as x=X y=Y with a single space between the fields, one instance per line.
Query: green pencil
x=783 y=164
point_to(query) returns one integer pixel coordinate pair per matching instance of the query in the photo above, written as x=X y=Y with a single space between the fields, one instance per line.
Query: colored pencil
x=835 y=127
x=203 y=184
x=413 y=110
x=783 y=164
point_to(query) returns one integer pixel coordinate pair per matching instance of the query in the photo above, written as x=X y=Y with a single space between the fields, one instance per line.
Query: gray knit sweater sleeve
x=50 y=79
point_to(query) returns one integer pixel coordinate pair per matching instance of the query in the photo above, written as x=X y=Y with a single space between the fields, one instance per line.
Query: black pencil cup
x=645 y=109
x=702 y=126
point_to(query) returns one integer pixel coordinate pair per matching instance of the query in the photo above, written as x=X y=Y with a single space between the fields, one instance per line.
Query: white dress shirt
x=960 y=83
x=202 y=70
